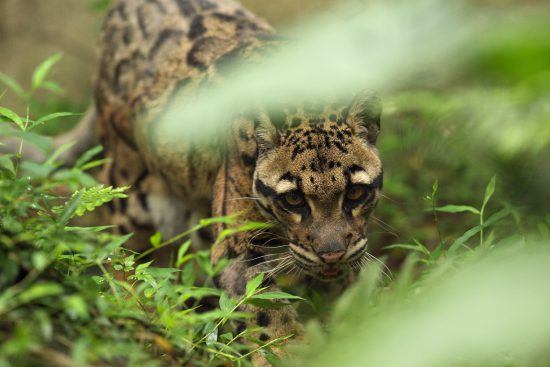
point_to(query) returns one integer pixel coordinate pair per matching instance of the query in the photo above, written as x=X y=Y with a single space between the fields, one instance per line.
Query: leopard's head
x=319 y=176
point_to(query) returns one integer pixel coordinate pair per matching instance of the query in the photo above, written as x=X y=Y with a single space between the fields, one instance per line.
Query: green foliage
x=39 y=80
x=87 y=199
x=73 y=292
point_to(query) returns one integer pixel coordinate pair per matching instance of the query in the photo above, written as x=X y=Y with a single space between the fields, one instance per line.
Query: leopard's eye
x=355 y=193
x=294 y=199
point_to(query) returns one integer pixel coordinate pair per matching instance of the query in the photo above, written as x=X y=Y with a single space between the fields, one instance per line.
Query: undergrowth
x=74 y=294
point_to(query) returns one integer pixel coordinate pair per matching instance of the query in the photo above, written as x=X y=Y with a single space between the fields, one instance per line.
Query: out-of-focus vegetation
x=464 y=227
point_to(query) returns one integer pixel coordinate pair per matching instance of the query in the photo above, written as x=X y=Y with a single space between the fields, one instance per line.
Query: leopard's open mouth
x=331 y=271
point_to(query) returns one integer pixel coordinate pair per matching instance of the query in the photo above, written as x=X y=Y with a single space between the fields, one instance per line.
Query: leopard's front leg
x=247 y=255
x=275 y=322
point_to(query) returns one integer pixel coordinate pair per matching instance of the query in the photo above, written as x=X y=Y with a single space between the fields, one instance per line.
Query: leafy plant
x=74 y=293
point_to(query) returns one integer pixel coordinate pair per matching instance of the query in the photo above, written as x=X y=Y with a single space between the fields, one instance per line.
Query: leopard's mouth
x=311 y=264
x=331 y=271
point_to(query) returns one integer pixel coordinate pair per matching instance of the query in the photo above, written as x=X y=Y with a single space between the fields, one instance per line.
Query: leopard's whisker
x=388 y=274
x=389 y=198
x=268 y=247
x=244 y=198
x=386 y=227
x=258 y=257
x=279 y=268
x=270 y=261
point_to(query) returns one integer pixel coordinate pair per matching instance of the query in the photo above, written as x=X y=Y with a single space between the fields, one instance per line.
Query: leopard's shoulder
x=149 y=49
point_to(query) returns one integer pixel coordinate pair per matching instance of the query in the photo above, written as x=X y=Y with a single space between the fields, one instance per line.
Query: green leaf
x=264 y=303
x=63 y=148
x=94 y=164
x=276 y=295
x=53 y=87
x=39 y=260
x=149 y=292
x=457 y=209
x=109 y=249
x=209 y=221
x=220 y=266
x=12 y=116
x=52 y=116
x=94 y=197
x=212 y=333
x=489 y=191
x=70 y=208
x=76 y=307
x=156 y=239
x=140 y=269
x=13 y=85
x=41 y=142
x=88 y=155
x=39 y=290
x=7 y=164
x=253 y=284
x=473 y=231
x=41 y=72
x=226 y=303
x=181 y=258
x=435 y=187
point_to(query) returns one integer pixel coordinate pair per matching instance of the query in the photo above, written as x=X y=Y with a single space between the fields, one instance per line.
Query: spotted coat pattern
x=153 y=52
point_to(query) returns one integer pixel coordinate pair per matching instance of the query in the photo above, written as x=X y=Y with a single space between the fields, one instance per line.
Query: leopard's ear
x=364 y=116
x=266 y=135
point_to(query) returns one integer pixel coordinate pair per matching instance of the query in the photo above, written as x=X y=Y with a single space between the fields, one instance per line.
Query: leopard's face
x=320 y=182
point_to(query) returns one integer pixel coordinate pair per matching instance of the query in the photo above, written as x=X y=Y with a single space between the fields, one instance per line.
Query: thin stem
x=170 y=241
x=109 y=280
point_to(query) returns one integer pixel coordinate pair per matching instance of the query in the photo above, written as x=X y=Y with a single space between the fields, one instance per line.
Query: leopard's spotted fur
x=153 y=50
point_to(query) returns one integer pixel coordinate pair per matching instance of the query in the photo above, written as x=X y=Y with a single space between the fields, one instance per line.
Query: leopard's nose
x=332 y=257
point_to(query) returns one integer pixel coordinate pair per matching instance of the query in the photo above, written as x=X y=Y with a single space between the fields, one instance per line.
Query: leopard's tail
x=83 y=137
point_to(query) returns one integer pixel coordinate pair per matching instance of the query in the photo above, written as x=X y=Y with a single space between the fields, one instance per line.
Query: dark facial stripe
x=266 y=209
x=287 y=176
x=263 y=189
x=357 y=252
x=302 y=257
x=378 y=182
x=355 y=168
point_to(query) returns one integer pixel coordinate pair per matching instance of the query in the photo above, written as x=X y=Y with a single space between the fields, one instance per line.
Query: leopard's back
x=151 y=50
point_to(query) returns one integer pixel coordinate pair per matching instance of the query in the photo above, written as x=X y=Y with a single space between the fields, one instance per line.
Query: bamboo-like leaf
x=13 y=85
x=489 y=191
x=52 y=116
x=473 y=231
x=253 y=284
x=457 y=209
x=41 y=72
x=12 y=116
x=276 y=295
